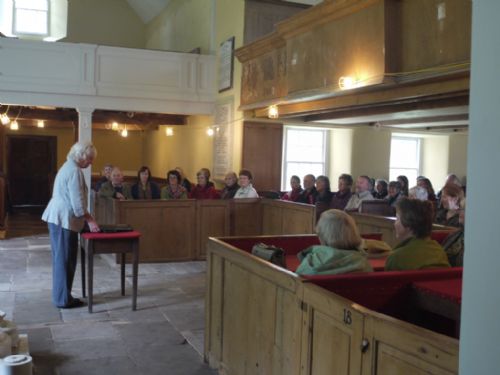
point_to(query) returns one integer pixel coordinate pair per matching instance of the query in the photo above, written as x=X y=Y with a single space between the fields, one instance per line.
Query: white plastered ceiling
x=148 y=9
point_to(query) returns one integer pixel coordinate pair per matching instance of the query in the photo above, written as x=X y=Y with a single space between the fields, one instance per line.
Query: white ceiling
x=148 y=9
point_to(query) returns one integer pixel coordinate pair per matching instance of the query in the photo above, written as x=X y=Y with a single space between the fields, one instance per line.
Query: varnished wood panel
x=335 y=333
x=212 y=221
x=434 y=33
x=397 y=347
x=164 y=226
x=246 y=217
x=283 y=217
x=262 y=153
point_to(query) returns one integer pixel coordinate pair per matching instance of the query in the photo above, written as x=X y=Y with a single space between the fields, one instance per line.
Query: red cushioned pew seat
x=293 y=244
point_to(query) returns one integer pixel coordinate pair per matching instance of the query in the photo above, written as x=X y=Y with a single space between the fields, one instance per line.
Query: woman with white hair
x=340 y=250
x=66 y=214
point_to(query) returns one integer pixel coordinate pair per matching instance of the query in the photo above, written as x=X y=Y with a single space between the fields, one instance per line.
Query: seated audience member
x=394 y=193
x=380 y=189
x=427 y=185
x=173 y=189
x=246 y=189
x=453 y=245
x=115 y=188
x=231 y=186
x=183 y=181
x=450 y=179
x=106 y=176
x=362 y=194
x=145 y=188
x=403 y=180
x=324 y=195
x=339 y=251
x=309 y=194
x=294 y=194
x=418 y=192
x=203 y=190
x=342 y=196
x=452 y=202
x=413 y=228
x=206 y=171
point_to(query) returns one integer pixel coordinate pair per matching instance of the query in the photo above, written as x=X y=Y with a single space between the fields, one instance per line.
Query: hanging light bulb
x=4 y=119
x=210 y=132
x=169 y=132
x=346 y=83
x=41 y=124
x=272 y=111
x=14 y=125
x=114 y=126
x=124 y=132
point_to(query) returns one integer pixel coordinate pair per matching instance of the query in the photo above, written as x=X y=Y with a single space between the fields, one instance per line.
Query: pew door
x=397 y=347
x=333 y=338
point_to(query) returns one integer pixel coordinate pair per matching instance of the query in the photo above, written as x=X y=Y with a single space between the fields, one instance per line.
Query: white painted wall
x=480 y=330
x=434 y=159
x=340 y=154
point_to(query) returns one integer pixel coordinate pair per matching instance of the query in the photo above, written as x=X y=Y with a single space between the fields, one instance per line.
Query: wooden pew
x=178 y=230
x=261 y=318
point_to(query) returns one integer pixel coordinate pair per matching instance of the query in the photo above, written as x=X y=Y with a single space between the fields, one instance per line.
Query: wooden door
x=334 y=336
x=31 y=168
x=262 y=154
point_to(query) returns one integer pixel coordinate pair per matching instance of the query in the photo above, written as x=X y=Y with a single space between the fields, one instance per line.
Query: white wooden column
x=85 y=134
x=480 y=328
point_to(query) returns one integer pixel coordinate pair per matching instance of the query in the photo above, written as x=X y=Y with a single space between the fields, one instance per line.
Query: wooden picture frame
x=226 y=64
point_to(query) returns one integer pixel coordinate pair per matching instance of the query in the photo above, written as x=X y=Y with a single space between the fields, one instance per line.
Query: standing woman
x=66 y=214
x=145 y=188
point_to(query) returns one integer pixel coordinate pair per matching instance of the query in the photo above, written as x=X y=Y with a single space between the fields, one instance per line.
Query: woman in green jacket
x=339 y=251
x=413 y=228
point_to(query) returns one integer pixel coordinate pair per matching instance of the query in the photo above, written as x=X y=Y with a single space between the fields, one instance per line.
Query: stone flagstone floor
x=164 y=336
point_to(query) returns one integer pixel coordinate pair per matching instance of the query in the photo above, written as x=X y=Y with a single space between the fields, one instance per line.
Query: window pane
x=305 y=145
x=31 y=22
x=404 y=152
x=301 y=169
x=411 y=174
x=33 y=4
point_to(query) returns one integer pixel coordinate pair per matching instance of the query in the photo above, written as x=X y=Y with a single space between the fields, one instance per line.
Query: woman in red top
x=204 y=189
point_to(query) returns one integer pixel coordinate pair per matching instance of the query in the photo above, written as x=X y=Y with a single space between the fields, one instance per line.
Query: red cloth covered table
x=110 y=243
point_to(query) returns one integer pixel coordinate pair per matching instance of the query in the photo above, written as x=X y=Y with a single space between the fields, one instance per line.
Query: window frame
x=15 y=18
x=285 y=184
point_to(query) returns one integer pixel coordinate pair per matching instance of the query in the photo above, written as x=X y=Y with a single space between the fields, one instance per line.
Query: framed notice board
x=226 y=64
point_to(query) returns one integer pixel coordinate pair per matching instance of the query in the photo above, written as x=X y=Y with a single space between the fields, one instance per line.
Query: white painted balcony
x=85 y=75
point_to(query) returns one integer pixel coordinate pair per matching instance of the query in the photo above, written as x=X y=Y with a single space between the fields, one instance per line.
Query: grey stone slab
x=141 y=315
x=101 y=366
x=83 y=330
x=196 y=338
x=89 y=349
x=138 y=335
x=39 y=340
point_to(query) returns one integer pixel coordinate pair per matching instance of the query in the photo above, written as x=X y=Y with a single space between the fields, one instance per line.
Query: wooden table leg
x=90 y=255
x=122 y=272
x=135 y=271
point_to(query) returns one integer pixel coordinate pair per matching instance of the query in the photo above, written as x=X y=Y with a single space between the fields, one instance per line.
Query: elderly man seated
x=115 y=188
x=363 y=187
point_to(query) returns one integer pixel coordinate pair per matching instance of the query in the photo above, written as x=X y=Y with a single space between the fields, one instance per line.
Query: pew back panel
x=254 y=304
x=213 y=219
x=246 y=217
x=165 y=223
x=280 y=217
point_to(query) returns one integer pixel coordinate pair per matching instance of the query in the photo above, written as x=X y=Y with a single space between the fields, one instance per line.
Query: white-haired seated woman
x=339 y=251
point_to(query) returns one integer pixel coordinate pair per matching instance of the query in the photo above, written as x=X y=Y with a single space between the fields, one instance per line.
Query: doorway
x=31 y=169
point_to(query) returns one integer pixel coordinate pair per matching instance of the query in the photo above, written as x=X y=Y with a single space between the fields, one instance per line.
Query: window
x=405 y=158
x=304 y=153
x=31 y=17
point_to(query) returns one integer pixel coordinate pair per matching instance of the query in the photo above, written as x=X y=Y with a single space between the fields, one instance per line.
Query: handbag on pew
x=273 y=254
